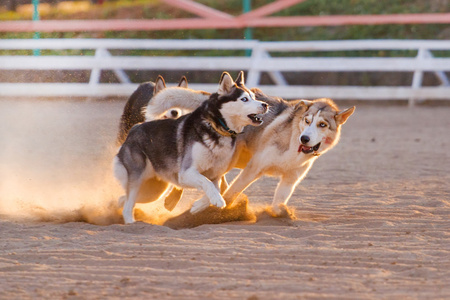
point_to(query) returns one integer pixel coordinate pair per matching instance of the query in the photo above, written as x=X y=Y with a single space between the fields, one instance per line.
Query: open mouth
x=306 y=149
x=255 y=119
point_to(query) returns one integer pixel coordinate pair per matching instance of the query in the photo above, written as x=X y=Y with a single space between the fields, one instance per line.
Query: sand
x=370 y=221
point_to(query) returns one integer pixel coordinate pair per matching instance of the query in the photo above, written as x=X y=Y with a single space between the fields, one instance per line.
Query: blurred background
x=249 y=20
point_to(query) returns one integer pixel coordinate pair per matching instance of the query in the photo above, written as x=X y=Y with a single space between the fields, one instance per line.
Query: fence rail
x=225 y=22
x=260 y=61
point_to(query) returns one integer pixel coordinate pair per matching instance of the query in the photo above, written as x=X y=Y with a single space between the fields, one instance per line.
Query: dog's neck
x=226 y=128
x=222 y=128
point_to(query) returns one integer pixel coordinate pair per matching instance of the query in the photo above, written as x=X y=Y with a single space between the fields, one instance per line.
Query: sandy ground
x=370 y=221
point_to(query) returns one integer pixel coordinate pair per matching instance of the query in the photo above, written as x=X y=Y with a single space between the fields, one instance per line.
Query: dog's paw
x=282 y=211
x=276 y=210
x=128 y=217
x=199 y=205
x=128 y=220
x=218 y=201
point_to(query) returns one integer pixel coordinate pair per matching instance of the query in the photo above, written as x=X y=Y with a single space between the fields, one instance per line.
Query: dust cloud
x=55 y=161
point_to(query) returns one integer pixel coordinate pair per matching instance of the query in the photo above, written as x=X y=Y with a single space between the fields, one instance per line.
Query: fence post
x=96 y=72
x=417 y=77
x=248 y=31
x=121 y=75
x=254 y=74
x=37 y=34
x=276 y=76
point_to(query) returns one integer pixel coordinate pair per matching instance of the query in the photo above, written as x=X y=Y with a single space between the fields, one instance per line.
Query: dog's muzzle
x=307 y=150
x=256 y=118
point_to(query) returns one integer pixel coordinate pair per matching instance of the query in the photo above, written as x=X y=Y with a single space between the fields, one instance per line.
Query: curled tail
x=166 y=99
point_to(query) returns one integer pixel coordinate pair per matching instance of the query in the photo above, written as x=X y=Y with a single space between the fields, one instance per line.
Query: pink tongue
x=301 y=147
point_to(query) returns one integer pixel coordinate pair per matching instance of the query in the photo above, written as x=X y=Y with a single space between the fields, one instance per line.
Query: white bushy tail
x=186 y=99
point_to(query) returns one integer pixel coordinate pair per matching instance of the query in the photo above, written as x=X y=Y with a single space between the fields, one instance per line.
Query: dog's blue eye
x=245 y=99
x=323 y=125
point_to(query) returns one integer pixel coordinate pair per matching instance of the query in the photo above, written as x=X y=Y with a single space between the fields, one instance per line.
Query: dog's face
x=238 y=102
x=320 y=126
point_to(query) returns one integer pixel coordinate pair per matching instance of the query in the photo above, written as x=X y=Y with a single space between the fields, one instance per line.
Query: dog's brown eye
x=307 y=121
x=323 y=125
x=244 y=99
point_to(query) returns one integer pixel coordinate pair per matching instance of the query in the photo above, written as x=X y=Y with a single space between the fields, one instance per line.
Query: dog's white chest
x=213 y=158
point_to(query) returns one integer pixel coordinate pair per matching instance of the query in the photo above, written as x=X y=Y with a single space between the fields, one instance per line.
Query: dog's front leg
x=286 y=187
x=283 y=193
x=242 y=181
x=203 y=203
x=223 y=184
x=191 y=177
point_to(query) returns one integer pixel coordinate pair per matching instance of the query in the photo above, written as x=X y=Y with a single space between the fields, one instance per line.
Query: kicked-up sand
x=370 y=221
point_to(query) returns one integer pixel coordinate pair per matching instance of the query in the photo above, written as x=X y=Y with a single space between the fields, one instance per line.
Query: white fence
x=259 y=61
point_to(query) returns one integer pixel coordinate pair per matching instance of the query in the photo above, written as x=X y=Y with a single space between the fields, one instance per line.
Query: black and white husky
x=193 y=151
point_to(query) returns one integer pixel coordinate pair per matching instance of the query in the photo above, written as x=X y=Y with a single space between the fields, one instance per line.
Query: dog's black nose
x=174 y=113
x=304 y=139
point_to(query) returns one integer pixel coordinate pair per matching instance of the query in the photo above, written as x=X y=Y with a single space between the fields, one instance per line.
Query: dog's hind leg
x=121 y=174
x=137 y=169
x=147 y=191
x=173 y=198
x=151 y=190
x=122 y=200
x=132 y=194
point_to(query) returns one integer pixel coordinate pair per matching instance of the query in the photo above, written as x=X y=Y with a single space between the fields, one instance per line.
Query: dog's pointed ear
x=183 y=82
x=226 y=83
x=240 y=79
x=258 y=93
x=160 y=84
x=302 y=105
x=342 y=116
